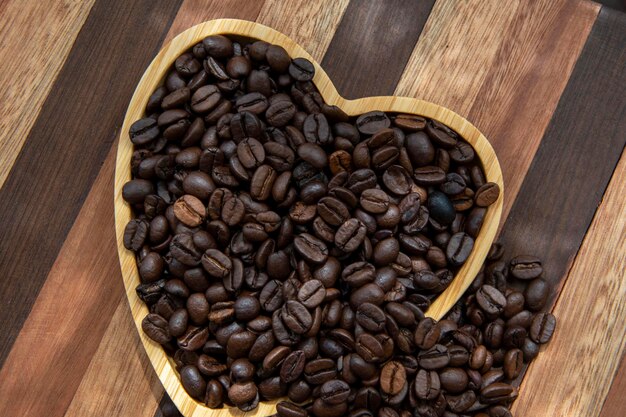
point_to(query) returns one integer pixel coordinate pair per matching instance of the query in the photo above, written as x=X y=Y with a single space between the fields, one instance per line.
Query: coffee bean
x=542 y=328
x=526 y=267
x=189 y=210
x=487 y=194
x=310 y=248
x=262 y=182
x=216 y=263
x=459 y=248
x=436 y=357
x=427 y=385
x=312 y=293
x=301 y=69
x=156 y=327
x=287 y=409
x=490 y=299
x=350 y=235
x=374 y=201
x=313 y=154
x=193 y=382
x=372 y=122
x=536 y=294
x=292 y=367
x=371 y=317
x=392 y=378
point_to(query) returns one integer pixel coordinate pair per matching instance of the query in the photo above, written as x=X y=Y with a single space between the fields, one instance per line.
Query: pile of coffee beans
x=288 y=250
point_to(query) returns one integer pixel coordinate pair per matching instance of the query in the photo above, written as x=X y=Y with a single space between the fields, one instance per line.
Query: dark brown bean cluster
x=287 y=250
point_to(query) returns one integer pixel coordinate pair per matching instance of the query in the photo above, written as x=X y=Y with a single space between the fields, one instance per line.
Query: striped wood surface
x=544 y=80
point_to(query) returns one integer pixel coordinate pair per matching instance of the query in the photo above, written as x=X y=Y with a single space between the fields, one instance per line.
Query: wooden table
x=544 y=80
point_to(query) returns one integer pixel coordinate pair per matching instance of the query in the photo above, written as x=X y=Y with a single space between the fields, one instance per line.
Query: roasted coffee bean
x=312 y=293
x=287 y=409
x=427 y=334
x=189 y=210
x=193 y=382
x=392 y=378
x=487 y=194
x=157 y=328
x=371 y=317
x=296 y=317
x=436 y=357
x=333 y=211
x=372 y=122
x=216 y=263
x=251 y=153
x=301 y=69
x=310 y=248
x=459 y=248
x=319 y=371
x=262 y=182
x=427 y=385
x=350 y=235
x=526 y=267
x=542 y=328
x=536 y=294
x=490 y=299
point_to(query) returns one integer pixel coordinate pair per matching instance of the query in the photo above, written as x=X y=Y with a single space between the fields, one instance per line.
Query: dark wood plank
x=372 y=45
x=81 y=294
x=577 y=155
x=66 y=147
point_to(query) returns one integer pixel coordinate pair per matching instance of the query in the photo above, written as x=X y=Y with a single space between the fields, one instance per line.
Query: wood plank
x=573 y=373
x=35 y=67
x=615 y=403
x=577 y=156
x=71 y=314
x=192 y=12
x=373 y=44
x=519 y=95
x=504 y=68
x=309 y=23
x=120 y=380
x=67 y=145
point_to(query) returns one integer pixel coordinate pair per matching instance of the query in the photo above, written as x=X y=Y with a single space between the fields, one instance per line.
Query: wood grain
x=192 y=12
x=573 y=373
x=152 y=78
x=62 y=337
x=580 y=149
x=309 y=23
x=110 y=386
x=35 y=65
x=503 y=67
x=615 y=402
x=372 y=45
x=67 y=145
x=532 y=68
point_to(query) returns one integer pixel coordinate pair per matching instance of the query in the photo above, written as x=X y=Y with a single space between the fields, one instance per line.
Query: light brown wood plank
x=519 y=95
x=192 y=12
x=70 y=315
x=573 y=374
x=36 y=39
x=503 y=68
x=312 y=24
x=120 y=380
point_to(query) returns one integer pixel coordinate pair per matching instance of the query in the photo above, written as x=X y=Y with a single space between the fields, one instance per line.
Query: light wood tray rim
x=153 y=77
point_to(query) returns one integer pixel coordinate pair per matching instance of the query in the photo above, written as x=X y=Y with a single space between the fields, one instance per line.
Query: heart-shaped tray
x=153 y=77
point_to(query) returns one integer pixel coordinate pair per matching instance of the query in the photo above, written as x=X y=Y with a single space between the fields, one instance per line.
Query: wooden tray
x=153 y=77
